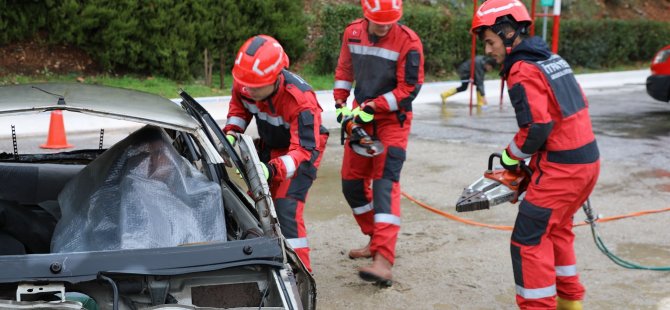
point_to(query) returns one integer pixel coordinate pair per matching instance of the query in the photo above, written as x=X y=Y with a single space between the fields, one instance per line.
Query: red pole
x=554 y=35
x=532 y=18
x=472 y=58
x=557 y=26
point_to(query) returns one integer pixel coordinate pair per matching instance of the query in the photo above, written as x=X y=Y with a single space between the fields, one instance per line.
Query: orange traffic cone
x=56 y=138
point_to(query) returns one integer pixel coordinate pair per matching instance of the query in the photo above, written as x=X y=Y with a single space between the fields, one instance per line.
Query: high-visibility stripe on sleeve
x=536 y=293
x=392 y=101
x=363 y=209
x=237 y=121
x=566 y=271
x=298 y=243
x=516 y=151
x=340 y=84
x=289 y=164
x=387 y=218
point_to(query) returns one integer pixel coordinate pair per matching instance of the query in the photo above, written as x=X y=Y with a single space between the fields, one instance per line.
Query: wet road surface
x=629 y=125
x=442 y=264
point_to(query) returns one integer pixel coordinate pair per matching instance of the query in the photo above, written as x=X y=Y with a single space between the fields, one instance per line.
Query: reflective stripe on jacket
x=293 y=108
x=388 y=70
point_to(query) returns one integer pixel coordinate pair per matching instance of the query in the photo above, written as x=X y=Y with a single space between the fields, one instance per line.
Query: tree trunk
x=208 y=68
x=221 y=68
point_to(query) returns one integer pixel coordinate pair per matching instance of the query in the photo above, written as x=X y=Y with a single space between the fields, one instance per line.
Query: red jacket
x=388 y=72
x=551 y=110
x=289 y=122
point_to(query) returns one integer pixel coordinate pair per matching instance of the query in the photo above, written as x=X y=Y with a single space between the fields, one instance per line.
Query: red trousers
x=289 y=198
x=542 y=245
x=371 y=185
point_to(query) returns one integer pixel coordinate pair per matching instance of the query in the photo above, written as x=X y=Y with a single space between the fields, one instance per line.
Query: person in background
x=483 y=64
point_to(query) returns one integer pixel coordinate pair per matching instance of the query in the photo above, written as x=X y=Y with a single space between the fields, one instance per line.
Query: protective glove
x=508 y=162
x=231 y=139
x=341 y=111
x=268 y=170
x=364 y=115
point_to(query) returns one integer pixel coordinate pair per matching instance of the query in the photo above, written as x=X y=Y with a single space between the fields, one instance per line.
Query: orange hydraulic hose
x=508 y=228
x=453 y=217
x=618 y=217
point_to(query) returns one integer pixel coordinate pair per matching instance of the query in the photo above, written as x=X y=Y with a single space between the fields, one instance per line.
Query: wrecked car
x=158 y=220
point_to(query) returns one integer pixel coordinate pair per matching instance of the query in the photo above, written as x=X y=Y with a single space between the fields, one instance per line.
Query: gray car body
x=265 y=252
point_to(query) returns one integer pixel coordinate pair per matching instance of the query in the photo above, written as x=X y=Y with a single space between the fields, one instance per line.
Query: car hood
x=96 y=100
x=85 y=266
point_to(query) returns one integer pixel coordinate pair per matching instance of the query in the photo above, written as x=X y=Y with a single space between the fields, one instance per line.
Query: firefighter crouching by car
x=288 y=117
x=555 y=133
x=385 y=61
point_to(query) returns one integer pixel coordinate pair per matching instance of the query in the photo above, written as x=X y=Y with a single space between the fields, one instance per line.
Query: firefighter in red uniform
x=385 y=62
x=555 y=133
x=288 y=117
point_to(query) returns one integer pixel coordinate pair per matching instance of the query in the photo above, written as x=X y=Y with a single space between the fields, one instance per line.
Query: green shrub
x=168 y=37
x=608 y=43
x=161 y=37
x=332 y=21
x=20 y=19
x=446 y=41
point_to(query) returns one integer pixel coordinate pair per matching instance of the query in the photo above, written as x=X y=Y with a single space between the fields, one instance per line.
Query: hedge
x=20 y=19
x=608 y=43
x=168 y=37
x=163 y=37
x=446 y=40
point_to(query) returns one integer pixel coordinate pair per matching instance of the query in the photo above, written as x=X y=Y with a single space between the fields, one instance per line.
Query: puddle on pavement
x=449 y=112
x=325 y=200
x=657 y=175
x=647 y=125
x=654 y=173
x=645 y=254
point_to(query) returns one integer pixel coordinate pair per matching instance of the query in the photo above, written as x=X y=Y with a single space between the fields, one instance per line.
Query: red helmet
x=382 y=11
x=489 y=11
x=259 y=61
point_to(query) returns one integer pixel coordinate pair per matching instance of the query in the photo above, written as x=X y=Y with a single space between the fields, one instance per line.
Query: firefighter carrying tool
x=495 y=187
x=359 y=140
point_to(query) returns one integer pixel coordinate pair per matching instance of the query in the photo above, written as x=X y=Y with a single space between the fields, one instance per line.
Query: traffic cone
x=56 y=138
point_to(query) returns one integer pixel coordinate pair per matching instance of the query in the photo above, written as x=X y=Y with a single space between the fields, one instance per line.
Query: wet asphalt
x=629 y=125
x=631 y=129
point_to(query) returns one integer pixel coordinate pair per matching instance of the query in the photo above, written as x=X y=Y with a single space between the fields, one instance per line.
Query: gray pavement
x=447 y=265
x=38 y=124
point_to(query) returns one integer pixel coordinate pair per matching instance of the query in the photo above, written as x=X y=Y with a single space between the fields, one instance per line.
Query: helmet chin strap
x=498 y=28
x=508 y=42
x=273 y=92
x=373 y=38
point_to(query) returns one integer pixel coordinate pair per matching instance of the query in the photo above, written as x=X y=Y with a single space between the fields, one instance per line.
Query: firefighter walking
x=385 y=62
x=555 y=134
x=288 y=117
